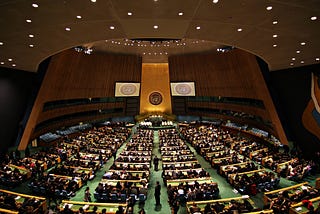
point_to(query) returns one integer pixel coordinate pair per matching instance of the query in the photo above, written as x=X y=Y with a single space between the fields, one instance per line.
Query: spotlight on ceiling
x=83 y=49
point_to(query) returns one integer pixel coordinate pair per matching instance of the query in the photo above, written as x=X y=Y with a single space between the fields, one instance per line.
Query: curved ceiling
x=285 y=33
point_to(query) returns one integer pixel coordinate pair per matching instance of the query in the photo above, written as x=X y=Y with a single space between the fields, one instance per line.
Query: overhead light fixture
x=67 y=29
x=10 y=60
x=155 y=26
x=274 y=45
x=313 y=18
x=31 y=35
x=79 y=17
x=198 y=27
x=31 y=45
x=180 y=13
x=269 y=8
x=274 y=35
x=111 y=27
x=317 y=59
x=303 y=43
x=2 y=63
x=297 y=51
x=13 y=65
x=35 y=5
x=93 y=1
x=215 y=1
x=239 y=29
x=28 y=20
x=293 y=58
x=129 y=13
x=291 y=63
x=86 y=50
x=275 y=22
x=1 y=43
x=302 y=61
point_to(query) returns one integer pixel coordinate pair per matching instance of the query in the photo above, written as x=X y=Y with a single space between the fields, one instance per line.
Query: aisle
x=155 y=176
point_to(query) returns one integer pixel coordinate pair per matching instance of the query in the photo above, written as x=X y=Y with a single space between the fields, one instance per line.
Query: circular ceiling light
x=269 y=8
x=67 y=29
x=215 y=1
x=35 y=5
x=198 y=27
x=28 y=20
x=313 y=18
x=155 y=26
x=112 y=27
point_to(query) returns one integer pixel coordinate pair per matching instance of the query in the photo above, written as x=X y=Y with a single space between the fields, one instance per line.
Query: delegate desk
x=132 y=166
x=183 y=171
x=232 y=177
x=91 y=164
x=269 y=196
x=132 y=172
x=300 y=209
x=219 y=154
x=191 y=181
x=8 y=211
x=167 y=158
x=88 y=206
x=79 y=170
x=225 y=202
x=22 y=170
x=226 y=168
x=257 y=152
x=180 y=164
x=67 y=179
x=217 y=162
x=20 y=198
x=111 y=182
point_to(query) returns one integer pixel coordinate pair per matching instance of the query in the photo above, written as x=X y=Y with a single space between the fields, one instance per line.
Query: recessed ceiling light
x=198 y=27
x=13 y=65
x=1 y=43
x=155 y=26
x=31 y=45
x=291 y=63
x=274 y=35
x=180 y=13
x=129 y=13
x=274 y=45
x=79 y=17
x=275 y=22
x=28 y=20
x=302 y=61
x=313 y=18
x=111 y=27
x=239 y=29
x=303 y=43
x=31 y=35
x=9 y=59
x=297 y=51
x=35 y=5
x=67 y=29
x=93 y=0
x=2 y=63
x=317 y=59
x=293 y=58
x=215 y=1
x=269 y=8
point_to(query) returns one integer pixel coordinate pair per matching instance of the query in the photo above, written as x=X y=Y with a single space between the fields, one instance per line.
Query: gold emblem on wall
x=155 y=98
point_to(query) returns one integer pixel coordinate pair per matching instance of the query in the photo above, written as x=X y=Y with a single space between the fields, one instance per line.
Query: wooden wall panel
x=73 y=75
x=232 y=74
x=75 y=109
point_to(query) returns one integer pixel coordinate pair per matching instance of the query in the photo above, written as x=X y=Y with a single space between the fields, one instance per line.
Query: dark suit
x=157 y=193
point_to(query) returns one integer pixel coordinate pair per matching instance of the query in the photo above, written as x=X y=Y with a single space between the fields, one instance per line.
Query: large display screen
x=183 y=89
x=127 y=89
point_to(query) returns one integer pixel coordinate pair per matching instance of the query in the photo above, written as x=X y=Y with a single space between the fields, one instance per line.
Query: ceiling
x=286 y=35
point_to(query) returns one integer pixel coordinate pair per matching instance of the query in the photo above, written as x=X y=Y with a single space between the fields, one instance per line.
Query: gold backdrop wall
x=155 y=81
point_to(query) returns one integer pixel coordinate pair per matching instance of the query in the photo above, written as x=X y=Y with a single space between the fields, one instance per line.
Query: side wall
x=293 y=88
x=235 y=74
x=75 y=79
